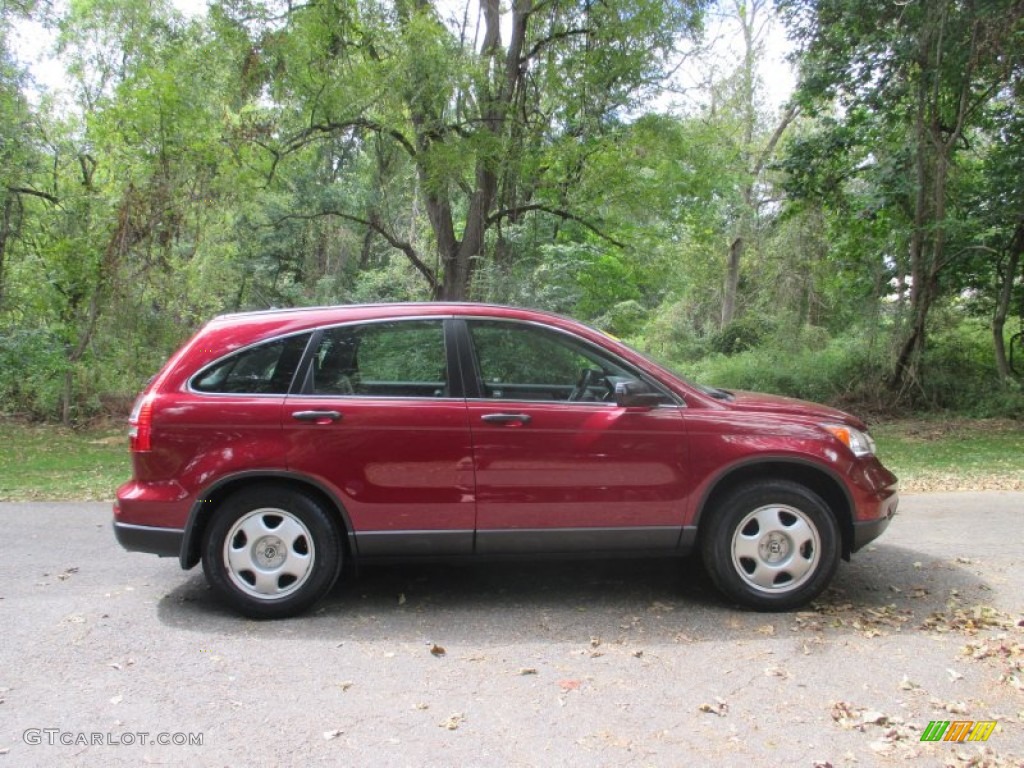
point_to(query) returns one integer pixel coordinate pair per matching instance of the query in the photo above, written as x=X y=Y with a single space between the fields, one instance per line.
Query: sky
x=33 y=45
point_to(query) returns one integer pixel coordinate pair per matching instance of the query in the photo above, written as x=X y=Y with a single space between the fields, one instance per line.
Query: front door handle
x=318 y=417
x=506 y=418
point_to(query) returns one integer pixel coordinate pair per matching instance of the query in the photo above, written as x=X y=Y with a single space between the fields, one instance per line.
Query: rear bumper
x=165 y=542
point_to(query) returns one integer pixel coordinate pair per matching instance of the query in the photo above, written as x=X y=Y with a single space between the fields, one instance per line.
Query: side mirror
x=636 y=394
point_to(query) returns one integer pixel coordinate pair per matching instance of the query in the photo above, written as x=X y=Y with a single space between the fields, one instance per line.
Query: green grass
x=48 y=462
x=40 y=462
x=953 y=454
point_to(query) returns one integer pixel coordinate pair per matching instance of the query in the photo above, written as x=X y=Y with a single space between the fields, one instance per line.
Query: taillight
x=140 y=425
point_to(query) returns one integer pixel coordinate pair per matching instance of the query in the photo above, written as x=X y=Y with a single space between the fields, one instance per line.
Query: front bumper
x=866 y=531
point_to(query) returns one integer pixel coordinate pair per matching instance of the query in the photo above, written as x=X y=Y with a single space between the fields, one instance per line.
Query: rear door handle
x=319 y=417
x=506 y=418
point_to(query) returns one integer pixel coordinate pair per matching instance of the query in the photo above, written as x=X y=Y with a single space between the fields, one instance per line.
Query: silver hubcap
x=269 y=553
x=776 y=548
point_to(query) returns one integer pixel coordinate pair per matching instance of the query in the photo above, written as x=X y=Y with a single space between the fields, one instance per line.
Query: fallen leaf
x=874 y=718
x=345 y=685
x=718 y=708
x=953 y=707
x=527 y=670
x=452 y=722
x=570 y=685
x=906 y=684
x=437 y=650
x=846 y=715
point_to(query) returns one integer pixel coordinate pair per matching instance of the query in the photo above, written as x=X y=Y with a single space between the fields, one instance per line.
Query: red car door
x=378 y=423
x=560 y=467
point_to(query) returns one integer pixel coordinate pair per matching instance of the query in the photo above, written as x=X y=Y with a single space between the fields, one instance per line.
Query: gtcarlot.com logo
x=57 y=737
x=958 y=730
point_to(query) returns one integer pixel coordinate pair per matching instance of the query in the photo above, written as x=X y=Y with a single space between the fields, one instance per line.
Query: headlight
x=859 y=442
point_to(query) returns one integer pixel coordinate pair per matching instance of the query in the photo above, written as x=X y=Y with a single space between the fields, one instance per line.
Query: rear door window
x=404 y=358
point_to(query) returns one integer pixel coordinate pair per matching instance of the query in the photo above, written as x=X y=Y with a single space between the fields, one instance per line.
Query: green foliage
x=960 y=370
x=626 y=319
x=739 y=336
x=356 y=151
x=848 y=371
x=32 y=367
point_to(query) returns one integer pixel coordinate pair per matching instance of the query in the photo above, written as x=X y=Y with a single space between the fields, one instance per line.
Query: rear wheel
x=771 y=545
x=271 y=552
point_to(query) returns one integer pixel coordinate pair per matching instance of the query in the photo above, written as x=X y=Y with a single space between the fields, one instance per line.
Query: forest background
x=858 y=244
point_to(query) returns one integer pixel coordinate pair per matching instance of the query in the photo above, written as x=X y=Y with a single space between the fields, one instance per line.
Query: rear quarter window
x=265 y=369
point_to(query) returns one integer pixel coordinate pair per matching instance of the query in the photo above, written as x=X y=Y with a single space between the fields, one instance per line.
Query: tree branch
x=375 y=224
x=329 y=127
x=562 y=35
x=787 y=118
x=34 y=193
x=497 y=216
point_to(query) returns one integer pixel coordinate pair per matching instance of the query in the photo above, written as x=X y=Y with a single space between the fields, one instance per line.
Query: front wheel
x=271 y=552
x=771 y=545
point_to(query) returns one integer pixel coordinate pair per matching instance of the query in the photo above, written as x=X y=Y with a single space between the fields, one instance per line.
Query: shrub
x=32 y=369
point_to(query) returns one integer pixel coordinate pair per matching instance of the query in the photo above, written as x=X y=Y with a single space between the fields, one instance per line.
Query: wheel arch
x=815 y=477
x=206 y=505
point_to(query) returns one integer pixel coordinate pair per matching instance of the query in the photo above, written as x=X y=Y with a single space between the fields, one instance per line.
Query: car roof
x=398 y=308
x=298 y=318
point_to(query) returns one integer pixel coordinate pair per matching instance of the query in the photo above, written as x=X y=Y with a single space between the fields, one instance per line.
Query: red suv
x=275 y=445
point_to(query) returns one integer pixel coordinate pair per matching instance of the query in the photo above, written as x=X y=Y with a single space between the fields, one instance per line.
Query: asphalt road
x=104 y=654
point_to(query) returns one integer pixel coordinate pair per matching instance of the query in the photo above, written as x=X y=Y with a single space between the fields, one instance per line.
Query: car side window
x=404 y=358
x=265 y=369
x=518 y=361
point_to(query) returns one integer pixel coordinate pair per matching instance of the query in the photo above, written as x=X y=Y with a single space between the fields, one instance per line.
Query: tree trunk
x=1003 y=303
x=732 y=281
x=5 y=233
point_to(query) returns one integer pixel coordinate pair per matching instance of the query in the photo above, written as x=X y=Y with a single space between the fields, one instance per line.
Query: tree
x=920 y=74
x=117 y=180
x=495 y=130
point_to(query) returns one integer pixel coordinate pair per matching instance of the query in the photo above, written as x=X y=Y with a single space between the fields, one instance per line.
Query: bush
x=959 y=374
x=739 y=336
x=32 y=367
x=851 y=371
x=846 y=371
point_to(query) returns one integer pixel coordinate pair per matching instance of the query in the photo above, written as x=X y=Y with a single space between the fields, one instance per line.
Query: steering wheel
x=587 y=376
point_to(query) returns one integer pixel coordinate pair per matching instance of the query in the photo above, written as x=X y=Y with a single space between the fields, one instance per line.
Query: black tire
x=771 y=545
x=271 y=552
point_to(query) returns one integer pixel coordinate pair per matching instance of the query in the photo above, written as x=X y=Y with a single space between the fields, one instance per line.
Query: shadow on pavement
x=885 y=589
